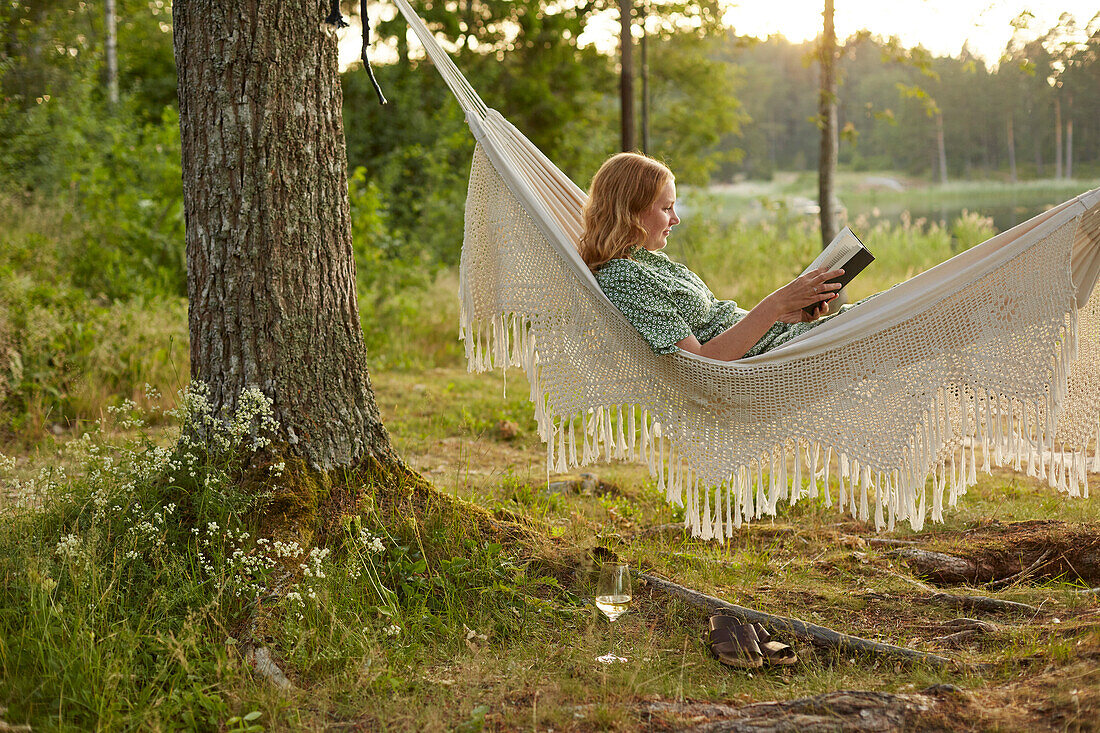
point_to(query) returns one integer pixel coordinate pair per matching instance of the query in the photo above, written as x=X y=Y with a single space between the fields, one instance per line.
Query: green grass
x=132 y=623
x=90 y=639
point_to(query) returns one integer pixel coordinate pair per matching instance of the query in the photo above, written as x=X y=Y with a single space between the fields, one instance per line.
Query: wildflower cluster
x=127 y=415
x=150 y=532
x=71 y=549
x=148 y=508
x=48 y=482
x=249 y=428
x=370 y=541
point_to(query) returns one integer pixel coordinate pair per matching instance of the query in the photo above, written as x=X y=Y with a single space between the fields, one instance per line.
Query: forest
x=138 y=576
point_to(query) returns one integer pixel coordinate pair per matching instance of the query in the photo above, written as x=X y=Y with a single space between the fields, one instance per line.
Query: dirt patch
x=1017 y=552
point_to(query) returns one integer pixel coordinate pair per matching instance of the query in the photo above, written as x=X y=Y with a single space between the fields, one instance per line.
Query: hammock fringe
x=1012 y=432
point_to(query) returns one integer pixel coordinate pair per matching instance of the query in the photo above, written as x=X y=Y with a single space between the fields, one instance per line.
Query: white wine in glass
x=613 y=590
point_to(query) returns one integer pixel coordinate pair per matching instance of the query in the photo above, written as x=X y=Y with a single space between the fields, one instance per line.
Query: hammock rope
x=996 y=351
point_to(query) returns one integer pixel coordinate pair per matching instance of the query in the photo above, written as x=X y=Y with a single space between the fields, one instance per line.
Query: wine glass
x=613 y=596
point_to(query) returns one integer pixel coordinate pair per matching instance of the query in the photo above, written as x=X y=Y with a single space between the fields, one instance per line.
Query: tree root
x=844 y=710
x=6 y=727
x=309 y=508
x=260 y=658
x=981 y=603
x=817 y=634
x=1001 y=555
x=966 y=603
x=250 y=632
x=1023 y=574
x=892 y=542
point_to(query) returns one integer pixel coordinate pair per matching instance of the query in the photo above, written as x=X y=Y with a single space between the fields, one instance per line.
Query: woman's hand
x=801 y=316
x=805 y=290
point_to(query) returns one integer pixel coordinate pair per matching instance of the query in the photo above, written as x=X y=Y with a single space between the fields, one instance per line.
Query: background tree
x=827 y=121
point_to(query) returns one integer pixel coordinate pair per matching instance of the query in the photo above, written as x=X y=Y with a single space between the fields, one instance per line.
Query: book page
x=843 y=246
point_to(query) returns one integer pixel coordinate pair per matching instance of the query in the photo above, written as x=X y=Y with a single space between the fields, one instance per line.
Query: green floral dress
x=667 y=302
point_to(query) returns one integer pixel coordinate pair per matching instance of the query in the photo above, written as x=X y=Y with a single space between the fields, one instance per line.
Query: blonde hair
x=625 y=185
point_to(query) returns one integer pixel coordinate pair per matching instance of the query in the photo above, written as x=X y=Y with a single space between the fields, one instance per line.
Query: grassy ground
x=506 y=649
x=115 y=615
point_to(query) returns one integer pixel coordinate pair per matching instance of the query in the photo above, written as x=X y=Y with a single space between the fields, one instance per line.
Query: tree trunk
x=626 y=81
x=271 y=276
x=645 y=89
x=1057 y=137
x=941 y=151
x=826 y=171
x=1069 y=140
x=111 y=24
x=1011 y=151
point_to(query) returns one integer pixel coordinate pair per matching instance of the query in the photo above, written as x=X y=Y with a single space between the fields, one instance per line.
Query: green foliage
x=131 y=198
x=395 y=286
x=121 y=580
x=889 y=97
x=693 y=132
x=744 y=259
x=65 y=355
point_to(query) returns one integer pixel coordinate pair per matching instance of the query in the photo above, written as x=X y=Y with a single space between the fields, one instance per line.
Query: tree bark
x=826 y=171
x=1011 y=151
x=1057 y=136
x=783 y=625
x=271 y=275
x=111 y=24
x=941 y=150
x=626 y=80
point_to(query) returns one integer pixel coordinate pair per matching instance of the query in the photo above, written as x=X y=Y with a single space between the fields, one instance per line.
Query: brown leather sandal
x=735 y=644
x=775 y=652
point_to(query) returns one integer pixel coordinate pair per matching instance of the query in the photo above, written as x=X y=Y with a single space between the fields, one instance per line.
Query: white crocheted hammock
x=990 y=358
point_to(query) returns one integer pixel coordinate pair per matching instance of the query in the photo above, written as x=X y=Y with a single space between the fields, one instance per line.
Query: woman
x=627 y=220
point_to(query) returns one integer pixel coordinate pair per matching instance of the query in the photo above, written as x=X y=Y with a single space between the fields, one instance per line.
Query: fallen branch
x=802 y=629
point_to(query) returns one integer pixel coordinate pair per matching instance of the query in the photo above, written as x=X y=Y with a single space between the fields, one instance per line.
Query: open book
x=846 y=253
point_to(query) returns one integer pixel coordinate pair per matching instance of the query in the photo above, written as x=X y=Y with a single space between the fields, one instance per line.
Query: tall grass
x=744 y=261
x=121 y=587
x=66 y=354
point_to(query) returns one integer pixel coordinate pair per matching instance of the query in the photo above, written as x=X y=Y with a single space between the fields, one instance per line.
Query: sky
x=941 y=26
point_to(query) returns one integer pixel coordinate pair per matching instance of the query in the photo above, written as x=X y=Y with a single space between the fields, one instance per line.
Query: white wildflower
x=393 y=630
x=316 y=560
x=71 y=548
x=372 y=543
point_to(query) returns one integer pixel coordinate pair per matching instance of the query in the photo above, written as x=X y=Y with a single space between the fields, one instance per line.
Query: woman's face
x=659 y=218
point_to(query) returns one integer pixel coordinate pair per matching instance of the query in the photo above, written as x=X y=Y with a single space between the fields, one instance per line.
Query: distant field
x=884 y=196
